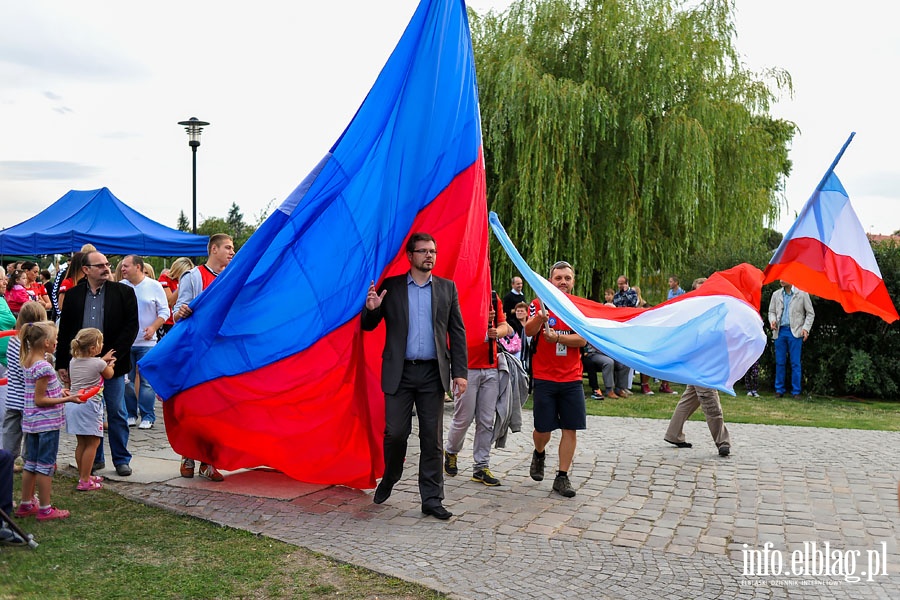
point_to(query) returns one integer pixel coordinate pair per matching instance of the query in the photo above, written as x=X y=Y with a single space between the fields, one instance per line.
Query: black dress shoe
x=98 y=466
x=438 y=512
x=123 y=470
x=383 y=492
x=680 y=444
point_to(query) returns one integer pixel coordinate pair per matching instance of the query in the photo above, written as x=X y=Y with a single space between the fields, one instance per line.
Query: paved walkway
x=649 y=520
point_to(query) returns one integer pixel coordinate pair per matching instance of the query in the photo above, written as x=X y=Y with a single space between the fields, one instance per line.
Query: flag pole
x=805 y=207
x=837 y=159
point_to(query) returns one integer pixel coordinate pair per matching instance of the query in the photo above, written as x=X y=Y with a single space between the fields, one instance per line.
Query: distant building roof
x=877 y=237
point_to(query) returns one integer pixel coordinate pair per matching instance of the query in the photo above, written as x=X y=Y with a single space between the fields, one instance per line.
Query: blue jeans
x=41 y=449
x=787 y=346
x=146 y=397
x=117 y=418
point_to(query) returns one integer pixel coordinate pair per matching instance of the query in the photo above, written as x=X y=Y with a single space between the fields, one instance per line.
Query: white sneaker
x=146 y=425
x=132 y=421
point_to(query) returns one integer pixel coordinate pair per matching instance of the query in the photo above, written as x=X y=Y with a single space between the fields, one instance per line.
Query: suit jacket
x=120 y=323
x=446 y=320
x=802 y=313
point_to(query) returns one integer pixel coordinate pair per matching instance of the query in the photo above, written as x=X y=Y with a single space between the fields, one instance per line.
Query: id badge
x=561 y=349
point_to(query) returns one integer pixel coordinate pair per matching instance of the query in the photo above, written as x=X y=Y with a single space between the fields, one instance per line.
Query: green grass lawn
x=112 y=547
x=807 y=411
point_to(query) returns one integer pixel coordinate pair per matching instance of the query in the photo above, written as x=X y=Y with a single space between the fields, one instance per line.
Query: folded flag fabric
x=826 y=252
x=708 y=337
x=272 y=367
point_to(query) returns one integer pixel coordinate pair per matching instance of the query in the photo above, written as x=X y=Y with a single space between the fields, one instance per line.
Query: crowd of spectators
x=81 y=329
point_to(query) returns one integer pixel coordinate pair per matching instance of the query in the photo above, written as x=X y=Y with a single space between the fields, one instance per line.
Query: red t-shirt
x=479 y=348
x=168 y=282
x=65 y=285
x=554 y=362
x=36 y=290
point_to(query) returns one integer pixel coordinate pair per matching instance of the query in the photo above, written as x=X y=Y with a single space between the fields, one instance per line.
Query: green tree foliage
x=214 y=225
x=183 y=223
x=235 y=219
x=624 y=135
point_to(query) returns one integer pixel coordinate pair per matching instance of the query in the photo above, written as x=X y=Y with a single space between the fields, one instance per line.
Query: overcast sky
x=91 y=93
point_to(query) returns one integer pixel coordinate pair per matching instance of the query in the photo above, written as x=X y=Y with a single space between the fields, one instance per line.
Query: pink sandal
x=52 y=513
x=89 y=485
x=97 y=478
x=27 y=509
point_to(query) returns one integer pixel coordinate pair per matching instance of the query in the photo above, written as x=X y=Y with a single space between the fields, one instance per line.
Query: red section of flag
x=318 y=415
x=811 y=266
x=743 y=282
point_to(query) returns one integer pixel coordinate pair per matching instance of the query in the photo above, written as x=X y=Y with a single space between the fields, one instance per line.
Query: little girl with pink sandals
x=85 y=421
x=41 y=420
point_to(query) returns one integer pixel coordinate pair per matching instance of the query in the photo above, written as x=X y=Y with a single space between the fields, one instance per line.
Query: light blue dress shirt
x=420 y=337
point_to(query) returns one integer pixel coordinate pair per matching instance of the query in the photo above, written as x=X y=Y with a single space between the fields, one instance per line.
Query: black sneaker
x=537 y=466
x=450 y=464
x=486 y=477
x=563 y=487
x=724 y=450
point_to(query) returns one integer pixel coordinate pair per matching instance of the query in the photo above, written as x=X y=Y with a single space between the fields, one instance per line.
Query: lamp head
x=193 y=127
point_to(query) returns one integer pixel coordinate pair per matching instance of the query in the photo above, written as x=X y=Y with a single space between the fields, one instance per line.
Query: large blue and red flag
x=826 y=252
x=707 y=337
x=272 y=368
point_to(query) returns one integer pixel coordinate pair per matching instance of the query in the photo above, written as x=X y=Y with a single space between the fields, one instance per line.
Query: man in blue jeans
x=153 y=310
x=791 y=317
x=111 y=307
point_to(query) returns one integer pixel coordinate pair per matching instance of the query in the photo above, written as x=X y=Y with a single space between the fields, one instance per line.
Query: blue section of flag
x=305 y=272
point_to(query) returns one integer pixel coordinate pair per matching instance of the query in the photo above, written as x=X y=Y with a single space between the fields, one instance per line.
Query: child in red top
x=16 y=294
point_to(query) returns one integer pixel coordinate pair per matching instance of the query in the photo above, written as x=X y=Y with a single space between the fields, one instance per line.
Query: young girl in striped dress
x=41 y=421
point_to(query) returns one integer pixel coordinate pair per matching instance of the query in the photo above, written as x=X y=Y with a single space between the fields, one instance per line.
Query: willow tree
x=624 y=134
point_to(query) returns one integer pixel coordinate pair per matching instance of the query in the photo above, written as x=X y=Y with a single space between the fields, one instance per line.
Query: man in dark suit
x=513 y=297
x=112 y=308
x=421 y=312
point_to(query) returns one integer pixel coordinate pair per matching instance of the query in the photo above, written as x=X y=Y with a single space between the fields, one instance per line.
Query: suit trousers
x=692 y=398
x=479 y=403
x=420 y=386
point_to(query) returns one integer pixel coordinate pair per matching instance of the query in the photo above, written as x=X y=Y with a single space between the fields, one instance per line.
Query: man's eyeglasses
x=425 y=252
x=100 y=265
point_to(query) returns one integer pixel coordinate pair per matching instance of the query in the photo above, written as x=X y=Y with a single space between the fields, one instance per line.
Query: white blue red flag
x=272 y=368
x=826 y=252
x=707 y=337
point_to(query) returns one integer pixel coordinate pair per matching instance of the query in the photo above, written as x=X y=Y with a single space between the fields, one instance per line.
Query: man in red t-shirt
x=558 y=390
x=479 y=401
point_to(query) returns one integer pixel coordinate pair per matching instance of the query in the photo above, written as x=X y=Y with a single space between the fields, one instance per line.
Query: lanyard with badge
x=561 y=349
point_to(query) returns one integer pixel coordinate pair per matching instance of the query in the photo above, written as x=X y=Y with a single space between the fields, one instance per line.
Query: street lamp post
x=194 y=127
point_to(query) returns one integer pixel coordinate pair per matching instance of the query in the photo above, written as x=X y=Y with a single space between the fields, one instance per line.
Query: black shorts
x=559 y=405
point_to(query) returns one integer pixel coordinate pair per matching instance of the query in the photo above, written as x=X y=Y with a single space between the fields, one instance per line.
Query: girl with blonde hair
x=169 y=281
x=41 y=421
x=85 y=421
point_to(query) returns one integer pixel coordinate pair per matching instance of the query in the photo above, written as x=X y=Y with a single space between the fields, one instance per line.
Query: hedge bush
x=847 y=354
